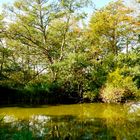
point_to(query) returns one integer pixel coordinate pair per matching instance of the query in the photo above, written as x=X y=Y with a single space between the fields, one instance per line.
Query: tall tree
x=112 y=27
x=34 y=27
x=2 y=45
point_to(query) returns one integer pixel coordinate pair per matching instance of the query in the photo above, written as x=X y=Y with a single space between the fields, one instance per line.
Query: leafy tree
x=35 y=25
x=112 y=28
x=50 y=56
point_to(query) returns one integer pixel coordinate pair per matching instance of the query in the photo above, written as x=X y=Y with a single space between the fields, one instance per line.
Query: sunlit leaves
x=110 y=24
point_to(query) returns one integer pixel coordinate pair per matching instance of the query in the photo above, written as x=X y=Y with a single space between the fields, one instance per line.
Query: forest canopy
x=50 y=54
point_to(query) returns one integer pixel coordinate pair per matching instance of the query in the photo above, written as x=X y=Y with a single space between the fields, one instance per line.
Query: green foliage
x=118 y=88
x=90 y=96
x=109 y=28
x=48 y=53
x=37 y=88
x=129 y=65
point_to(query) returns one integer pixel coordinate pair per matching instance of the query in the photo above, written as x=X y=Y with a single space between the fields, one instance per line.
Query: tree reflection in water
x=44 y=127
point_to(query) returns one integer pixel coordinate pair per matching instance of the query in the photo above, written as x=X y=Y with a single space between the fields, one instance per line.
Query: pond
x=71 y=122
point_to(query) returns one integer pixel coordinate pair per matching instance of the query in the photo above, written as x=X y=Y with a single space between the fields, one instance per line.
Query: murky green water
x=71 y=122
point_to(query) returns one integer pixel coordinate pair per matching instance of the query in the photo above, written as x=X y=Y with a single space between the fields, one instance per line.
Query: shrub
x=111 y=94
x=90 y=96
x=118 y=88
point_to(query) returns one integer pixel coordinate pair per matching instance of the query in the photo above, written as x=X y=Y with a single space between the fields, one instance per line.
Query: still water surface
x=71 y=122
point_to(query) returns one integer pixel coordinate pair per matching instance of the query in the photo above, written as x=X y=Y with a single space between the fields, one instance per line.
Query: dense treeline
x=49 y=54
